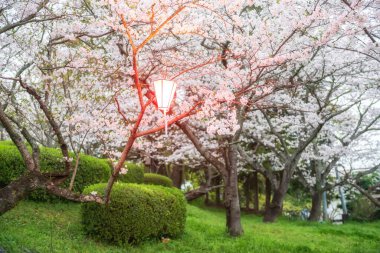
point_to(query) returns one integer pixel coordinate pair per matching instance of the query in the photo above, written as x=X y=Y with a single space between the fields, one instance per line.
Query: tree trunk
x=74 y=172
x=17 y=190
x=275 y=207
x=218 y=199
x=255 y=192
x=232 y=206
x=247 y=191
x=281 y=188
x=120 y=163
x=2 y=137
x=231 y=198
x=177 y=176
x=194 y=194
x=316 y=205
x=208 y=177
x=268 y=193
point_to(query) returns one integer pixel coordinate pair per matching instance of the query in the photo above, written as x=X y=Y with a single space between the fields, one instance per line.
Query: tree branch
x=201 y=149
x=25 y=20
x=18 y=141
x=52 y=122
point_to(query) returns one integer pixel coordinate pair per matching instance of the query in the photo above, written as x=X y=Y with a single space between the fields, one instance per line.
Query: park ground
x=56 y=227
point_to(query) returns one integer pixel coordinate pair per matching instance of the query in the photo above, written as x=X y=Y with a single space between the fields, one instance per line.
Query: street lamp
x=165 y=90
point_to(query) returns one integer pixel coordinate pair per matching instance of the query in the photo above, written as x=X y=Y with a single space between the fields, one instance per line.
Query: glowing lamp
x=165 y=90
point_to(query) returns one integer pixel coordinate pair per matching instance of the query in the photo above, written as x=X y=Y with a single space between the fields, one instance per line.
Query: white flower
x=123 y=171
x=94 y=193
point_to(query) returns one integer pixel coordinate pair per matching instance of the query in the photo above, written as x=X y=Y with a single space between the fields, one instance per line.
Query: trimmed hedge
x=11 y=164
x=90 y=169
x=136 y=212
x=135 y=173
x=152 y=178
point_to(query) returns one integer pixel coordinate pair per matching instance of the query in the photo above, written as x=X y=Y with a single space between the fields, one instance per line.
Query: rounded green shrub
x=136 y=212
x=135 y=173
x=91 y=170
x=11 y=164
x=152 y=178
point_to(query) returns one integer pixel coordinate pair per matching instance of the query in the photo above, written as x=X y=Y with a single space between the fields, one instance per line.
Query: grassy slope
x=38 y=227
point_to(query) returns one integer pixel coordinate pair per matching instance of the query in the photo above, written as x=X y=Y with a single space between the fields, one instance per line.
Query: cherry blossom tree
x=82 y=72
x=300 y=132
x=269 y=76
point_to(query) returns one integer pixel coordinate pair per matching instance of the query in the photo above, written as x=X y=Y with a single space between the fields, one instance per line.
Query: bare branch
x=67 y=194
x=52 y=122
x=201 y=149
x=25 y=20
x=18 y=141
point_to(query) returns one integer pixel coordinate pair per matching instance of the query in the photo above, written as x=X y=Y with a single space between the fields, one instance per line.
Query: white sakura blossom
x=123 y=171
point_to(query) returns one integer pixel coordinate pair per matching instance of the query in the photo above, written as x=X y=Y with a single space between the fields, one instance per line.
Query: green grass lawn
x=44 y=227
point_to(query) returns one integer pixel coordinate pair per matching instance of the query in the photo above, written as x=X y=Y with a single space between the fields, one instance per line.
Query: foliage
x=41 y=227
x=90 y=169
x=136 y=213
x=362 y=209
x=11 y=164
x=369 y=180
x=293 y=206
x=324 y=49
x=134 y=173
x=152 y=178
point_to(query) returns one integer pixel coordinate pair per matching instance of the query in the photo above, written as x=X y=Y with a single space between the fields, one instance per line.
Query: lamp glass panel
x=165 y=91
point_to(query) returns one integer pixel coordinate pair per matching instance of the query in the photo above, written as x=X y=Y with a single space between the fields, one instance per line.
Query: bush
x=364 y=210
x=136 y=212
x=294 y=207
x=90 y=169
x=151 y=178
x=135 y=173
x=11 y=164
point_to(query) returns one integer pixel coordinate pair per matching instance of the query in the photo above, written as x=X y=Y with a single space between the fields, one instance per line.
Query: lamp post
x=165 y=90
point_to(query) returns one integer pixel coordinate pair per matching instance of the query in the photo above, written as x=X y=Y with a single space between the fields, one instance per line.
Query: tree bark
x=316 y=205
x=17 y=190
x=231 y=198
x=255 y=192
x=232 y=206
x=208 y=177
x=275 y=207
x=177 y=176
x=20 y=188
x=2 y=137
x=194 y=194
x=218 y=199
x=247 y=191
x=268 y=193
x=281 y=188
x=74 y=172
x=229 y=172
